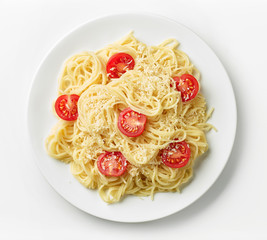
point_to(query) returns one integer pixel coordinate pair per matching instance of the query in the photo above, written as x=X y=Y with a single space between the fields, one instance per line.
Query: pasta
x=148 y=89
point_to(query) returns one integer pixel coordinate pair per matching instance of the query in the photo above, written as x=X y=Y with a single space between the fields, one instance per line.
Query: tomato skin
x=131 y=123
x=176 y=155
x=188 y=86
x=118 y=64
x=66 y=107
x=112 y=164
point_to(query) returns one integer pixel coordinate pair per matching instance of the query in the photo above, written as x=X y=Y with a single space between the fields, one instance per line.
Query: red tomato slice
x=187 y=85
x=131 y=123
x=112 y=164
x=118 y=64
x=66 y=107
x=176 y=155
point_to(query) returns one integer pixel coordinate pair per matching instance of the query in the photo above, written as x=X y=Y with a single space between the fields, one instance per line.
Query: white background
x=234 y=208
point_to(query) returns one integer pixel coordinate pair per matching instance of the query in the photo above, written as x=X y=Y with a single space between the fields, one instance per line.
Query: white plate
x=216 y=87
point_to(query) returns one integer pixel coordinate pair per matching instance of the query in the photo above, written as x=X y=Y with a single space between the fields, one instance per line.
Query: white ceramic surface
x=150 y=29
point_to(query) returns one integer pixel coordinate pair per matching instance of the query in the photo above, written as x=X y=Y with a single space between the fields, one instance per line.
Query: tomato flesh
x=176 y=155
x=188 y=86
x=112 y=164
x=118 y=64
x=131 y=123
x=66 y=107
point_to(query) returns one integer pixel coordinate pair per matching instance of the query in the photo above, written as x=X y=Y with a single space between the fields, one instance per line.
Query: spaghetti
x=148 y=89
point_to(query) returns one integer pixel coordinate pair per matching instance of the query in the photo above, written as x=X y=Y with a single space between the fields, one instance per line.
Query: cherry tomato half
x=112 y=164
x=118 y=64
x=187 y=85
x=131 y=123
x=66 y=107
x=176 y=155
